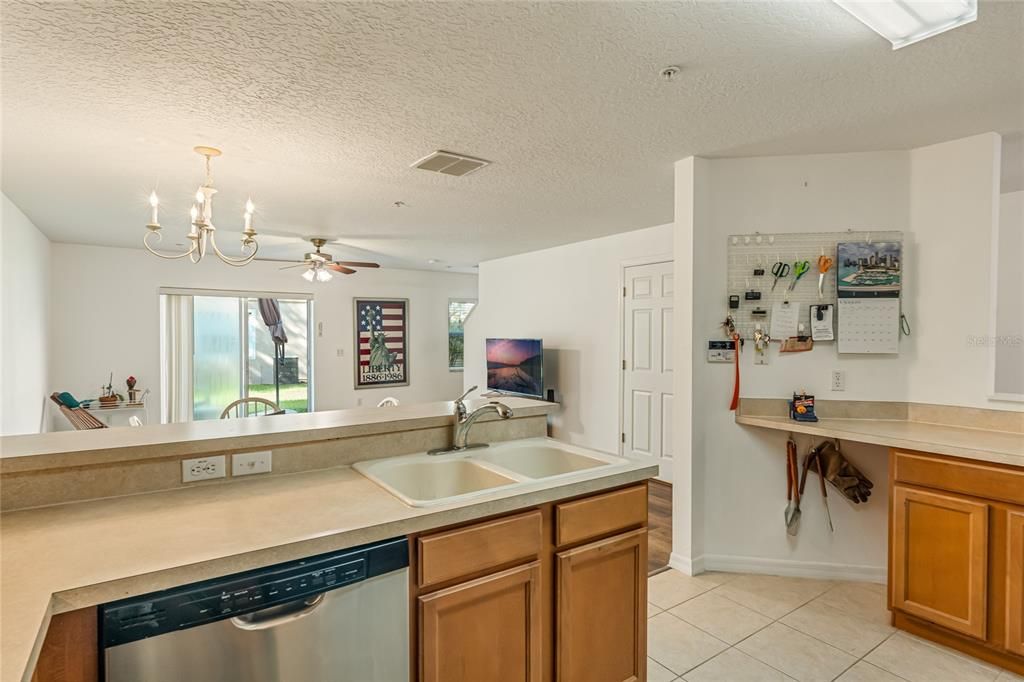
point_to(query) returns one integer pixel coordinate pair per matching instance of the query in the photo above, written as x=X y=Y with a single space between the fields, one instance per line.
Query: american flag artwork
x=382 y=337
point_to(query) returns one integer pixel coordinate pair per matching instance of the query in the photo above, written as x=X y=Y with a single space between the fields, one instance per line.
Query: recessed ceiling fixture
x=905 y=22
x=450 y=163
x=669 y=73
x=202 y=232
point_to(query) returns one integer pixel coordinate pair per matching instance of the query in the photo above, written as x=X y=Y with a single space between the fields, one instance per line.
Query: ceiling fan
x=319 y=264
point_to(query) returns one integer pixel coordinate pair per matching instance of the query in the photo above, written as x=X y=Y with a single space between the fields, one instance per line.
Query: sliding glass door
x=221 y=349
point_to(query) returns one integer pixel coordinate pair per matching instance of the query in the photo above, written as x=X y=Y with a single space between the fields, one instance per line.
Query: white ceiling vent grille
x=450 y=164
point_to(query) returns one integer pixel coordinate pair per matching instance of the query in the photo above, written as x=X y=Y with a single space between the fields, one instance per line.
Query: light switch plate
x=202 y=468
x=245 y=463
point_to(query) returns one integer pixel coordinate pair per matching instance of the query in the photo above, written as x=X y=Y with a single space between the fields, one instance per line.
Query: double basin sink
x=423 y=480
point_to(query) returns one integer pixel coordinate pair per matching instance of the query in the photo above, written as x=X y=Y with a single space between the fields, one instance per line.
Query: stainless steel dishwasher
x=338 y=617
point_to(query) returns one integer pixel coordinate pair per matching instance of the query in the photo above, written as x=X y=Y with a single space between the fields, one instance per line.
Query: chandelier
x=203 y=233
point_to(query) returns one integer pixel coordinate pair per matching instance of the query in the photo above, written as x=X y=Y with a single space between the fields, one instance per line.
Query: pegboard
x=745 y=252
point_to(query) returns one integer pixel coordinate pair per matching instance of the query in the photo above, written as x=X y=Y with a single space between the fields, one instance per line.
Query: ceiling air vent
x=449 y=163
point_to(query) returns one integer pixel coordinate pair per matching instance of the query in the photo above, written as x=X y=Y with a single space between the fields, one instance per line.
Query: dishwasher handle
x=278 y=615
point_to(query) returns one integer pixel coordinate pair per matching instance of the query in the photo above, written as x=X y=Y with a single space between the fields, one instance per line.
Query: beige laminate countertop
x=61 y=558
x=103 y=446
x=1000 y=447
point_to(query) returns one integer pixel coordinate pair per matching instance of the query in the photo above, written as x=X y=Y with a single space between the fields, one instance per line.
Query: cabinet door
x=940 y=559
x=602 y=608
x=1015 y=582
x=485 y=629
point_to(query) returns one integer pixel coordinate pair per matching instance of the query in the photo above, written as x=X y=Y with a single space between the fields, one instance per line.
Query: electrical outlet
x=245 y=463
x=202 y=468
x=838 y=380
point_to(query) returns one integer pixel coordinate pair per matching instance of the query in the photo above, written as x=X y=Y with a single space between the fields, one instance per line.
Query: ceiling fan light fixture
x=905 y=22
x=308 y=275
x=323 y=275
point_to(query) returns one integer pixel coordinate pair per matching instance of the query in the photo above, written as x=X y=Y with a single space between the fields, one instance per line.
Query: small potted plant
x=133 y=393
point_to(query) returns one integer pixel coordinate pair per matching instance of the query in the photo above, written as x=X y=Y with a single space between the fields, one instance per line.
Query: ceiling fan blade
x=340 y=268
x=358 y=264
x=296 y=265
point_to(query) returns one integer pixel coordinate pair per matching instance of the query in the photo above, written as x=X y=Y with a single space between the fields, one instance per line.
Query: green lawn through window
x=293 y=396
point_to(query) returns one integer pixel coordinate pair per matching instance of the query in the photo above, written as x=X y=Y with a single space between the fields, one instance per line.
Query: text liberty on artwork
x=381 y=338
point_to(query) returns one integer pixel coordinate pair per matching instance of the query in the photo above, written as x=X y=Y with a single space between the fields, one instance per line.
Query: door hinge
x=623 y=292
x=623 y=438
x=623 y=365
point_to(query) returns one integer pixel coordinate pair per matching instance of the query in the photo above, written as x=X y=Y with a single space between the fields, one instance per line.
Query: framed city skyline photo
x=382 y=342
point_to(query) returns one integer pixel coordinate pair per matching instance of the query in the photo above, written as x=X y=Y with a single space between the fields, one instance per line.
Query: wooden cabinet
x=485 y=629
x=70 y=651
x=956 y=561
x=1015 y=581
x=602 y=610
x=940 y=546
x=558 y=592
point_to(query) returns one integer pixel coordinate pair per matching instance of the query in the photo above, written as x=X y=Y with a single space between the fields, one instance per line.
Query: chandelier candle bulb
x=154 y=202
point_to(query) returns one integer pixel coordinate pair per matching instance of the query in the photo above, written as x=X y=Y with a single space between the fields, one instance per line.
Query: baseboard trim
x=784 y=567
x=685 y=564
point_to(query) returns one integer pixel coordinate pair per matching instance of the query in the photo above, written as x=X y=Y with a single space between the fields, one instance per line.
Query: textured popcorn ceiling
x=321 y=107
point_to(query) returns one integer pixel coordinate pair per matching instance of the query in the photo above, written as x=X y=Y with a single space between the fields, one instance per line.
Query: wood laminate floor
x=659 y=525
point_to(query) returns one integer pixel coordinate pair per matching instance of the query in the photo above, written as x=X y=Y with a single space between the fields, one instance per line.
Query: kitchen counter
x=104 y=446
x=1000 y=447
x=61 y=558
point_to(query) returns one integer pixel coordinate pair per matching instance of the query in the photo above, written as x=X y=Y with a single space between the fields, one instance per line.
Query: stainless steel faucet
x=464 y=421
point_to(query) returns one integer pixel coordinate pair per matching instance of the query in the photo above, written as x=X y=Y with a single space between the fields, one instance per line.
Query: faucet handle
x=463 y=396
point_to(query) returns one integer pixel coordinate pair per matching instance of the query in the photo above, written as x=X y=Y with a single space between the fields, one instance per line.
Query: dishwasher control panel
x=184 y=607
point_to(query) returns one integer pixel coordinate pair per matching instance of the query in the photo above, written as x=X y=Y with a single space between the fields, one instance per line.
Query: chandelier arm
x=237 y=262
x=159 y=237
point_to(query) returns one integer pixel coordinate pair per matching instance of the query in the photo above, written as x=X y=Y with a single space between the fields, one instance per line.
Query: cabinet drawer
x=599 y=515
x=987 y=481
x=472 y=549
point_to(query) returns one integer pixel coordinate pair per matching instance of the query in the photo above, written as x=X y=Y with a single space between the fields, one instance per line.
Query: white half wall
x=1009 y=322
x=24 y=334
x=106 y=318
x=569 y=296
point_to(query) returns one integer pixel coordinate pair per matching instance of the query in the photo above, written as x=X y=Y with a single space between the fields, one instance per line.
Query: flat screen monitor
x=516 y=366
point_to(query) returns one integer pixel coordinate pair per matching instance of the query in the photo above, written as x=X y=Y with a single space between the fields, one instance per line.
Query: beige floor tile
x=1007 y=676
x=735 y=666
x=851 y=634
x=863 y=600
x=725 y=619
x=770 y=595
x=657 y=672
x=652 y=610
x=918 y=661
x=679 y=646
x=716 y=578
x=671 y=587
x=796 y=654
x=862 y=671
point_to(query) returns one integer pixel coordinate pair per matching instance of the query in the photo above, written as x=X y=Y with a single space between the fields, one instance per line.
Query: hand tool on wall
x=824 y=265
x=800 y=269
x=792 y=524
x=780 y=270
x=814 y=459
x=791 y=478
x=736 y=386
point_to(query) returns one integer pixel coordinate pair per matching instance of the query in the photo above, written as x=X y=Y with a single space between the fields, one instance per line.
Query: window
x=458 y=310
x=217 y=349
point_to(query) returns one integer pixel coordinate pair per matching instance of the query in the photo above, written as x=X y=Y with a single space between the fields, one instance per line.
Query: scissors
x=824 y=265
x=800 y=269
x=780 y=270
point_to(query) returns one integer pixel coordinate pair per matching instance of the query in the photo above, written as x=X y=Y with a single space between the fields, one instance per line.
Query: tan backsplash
x=75 y=484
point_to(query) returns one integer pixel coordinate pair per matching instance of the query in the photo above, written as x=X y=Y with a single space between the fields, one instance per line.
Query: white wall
x=1009 y=325
x=739 y=473
x=24 y=334
x=954 y=208
x=943 y=198
x=569 y=296
x=106 y=318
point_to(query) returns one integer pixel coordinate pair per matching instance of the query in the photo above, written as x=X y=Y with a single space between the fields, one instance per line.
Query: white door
x=647 y=365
